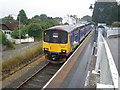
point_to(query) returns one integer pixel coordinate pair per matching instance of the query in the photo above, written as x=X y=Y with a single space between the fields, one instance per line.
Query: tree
x=36 y=17
x=119 y=12
x=34 y=20
x=22 y=16
x=87 y=18
x=43 y=17
x=4 y=41
x=9 y=17
x=20 y=32
x=116 y=24
x=35 y=31
x=58 y=20
x=105 y=12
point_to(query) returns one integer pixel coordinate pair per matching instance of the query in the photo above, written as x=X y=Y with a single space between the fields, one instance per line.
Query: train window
x=63 y=37
x=54 y=36
x=47 y=36
x=76 y=37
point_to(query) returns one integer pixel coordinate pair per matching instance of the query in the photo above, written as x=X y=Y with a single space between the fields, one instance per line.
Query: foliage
x=116 y=24
x=23 y=17
x=66 y=23
x=0 y=36
x=20 y=32
x=43 y=17
x=119 y=12
x=105 y=12
x=9 y=17
x=36 y=17
x=35 y=30
x=58 y=19
x=87 y=18
x=17 y=61
x=34 y=20
x=5 y=41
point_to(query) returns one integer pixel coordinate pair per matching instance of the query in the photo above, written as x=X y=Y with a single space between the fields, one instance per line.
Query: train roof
x=68 y=28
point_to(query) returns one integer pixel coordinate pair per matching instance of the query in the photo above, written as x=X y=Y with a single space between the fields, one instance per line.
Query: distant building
x=106 y=0
x=71 y=19
x=8 y=27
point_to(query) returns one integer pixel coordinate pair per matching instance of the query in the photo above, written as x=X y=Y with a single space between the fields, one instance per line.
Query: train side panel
x=77 y=36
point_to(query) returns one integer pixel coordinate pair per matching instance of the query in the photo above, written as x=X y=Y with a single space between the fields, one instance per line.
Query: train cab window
x=47 y=36
x=54 y=36
x=63 y=37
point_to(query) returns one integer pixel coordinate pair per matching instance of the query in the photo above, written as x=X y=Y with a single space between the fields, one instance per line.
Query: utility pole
x=19 y=30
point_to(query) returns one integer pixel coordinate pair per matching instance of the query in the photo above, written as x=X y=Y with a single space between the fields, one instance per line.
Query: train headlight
x=63 y=51
x=45 y=49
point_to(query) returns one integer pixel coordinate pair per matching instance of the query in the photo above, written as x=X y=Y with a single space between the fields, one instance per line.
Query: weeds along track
x=41 y=77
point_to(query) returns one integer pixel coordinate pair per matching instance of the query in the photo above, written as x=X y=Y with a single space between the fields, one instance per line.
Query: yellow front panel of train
x=55 y=47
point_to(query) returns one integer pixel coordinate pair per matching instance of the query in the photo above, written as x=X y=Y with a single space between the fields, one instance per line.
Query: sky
x=52 y=8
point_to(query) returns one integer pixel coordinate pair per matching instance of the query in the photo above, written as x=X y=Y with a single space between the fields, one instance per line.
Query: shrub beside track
x=15 y=63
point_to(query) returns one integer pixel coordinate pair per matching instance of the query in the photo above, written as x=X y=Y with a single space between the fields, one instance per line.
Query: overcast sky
x=53 y=8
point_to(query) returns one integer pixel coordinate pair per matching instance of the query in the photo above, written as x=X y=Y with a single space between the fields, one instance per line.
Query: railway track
x=40 y=78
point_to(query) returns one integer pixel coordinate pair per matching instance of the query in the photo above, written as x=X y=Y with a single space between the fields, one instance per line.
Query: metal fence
x=113 y=33
x=106 y=65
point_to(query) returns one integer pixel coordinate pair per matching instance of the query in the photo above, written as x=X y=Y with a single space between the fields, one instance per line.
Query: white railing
x=19 y=41
x=106 y=65
x=113 y=32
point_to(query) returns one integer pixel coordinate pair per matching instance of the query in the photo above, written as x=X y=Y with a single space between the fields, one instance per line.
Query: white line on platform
x=87 y=79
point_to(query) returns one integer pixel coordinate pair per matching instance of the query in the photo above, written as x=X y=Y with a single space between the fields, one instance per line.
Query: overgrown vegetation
x=4 y=41
x=22 y=17
x=116 y=24
x=18 y=60
x=20 y=32
x=33 y=26
x=35 y=30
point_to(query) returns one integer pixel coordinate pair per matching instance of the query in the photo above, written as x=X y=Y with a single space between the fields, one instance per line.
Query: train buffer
x=92 y=65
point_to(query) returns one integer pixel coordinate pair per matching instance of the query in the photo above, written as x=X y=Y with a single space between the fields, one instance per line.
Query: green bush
x=116 y=24
x=20 y=32
x=0 y=36
x=35 y=30
x=5 y=41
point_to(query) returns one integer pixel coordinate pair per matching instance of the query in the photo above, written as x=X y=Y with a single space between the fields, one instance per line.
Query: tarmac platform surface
x=113 y=44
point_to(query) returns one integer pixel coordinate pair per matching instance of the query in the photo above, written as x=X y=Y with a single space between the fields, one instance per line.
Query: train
x=58 y=42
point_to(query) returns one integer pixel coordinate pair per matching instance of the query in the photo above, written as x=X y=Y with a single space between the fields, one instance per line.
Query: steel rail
x=28 y=79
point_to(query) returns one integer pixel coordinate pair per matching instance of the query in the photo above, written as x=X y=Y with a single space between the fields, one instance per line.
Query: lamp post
x=91 y=7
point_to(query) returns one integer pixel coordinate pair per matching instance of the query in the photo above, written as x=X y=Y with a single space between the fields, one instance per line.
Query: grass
x=11 y=64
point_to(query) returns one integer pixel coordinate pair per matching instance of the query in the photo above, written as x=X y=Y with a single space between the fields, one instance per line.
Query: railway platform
x=113 y=45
